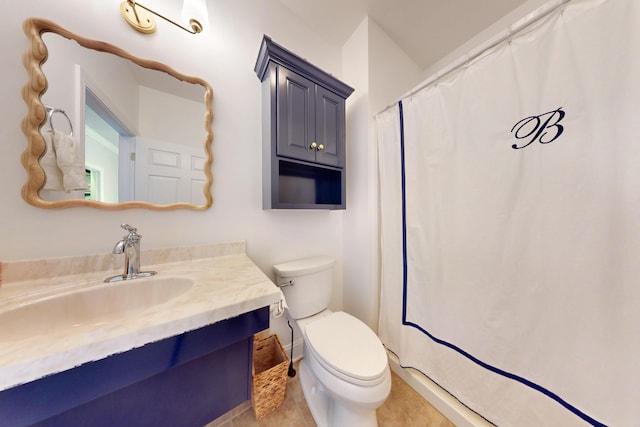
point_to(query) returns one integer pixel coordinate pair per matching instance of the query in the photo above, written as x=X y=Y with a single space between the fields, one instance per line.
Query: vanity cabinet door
x=296 y=116
x=330 y=128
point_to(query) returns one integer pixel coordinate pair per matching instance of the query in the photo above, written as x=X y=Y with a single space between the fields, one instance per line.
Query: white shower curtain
x=510 y=215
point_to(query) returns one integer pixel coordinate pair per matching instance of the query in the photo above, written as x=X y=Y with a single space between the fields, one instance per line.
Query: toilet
x=344 y=373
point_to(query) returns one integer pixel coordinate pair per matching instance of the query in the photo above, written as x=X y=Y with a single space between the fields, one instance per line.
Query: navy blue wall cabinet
x=186 y=380
x=303 y=129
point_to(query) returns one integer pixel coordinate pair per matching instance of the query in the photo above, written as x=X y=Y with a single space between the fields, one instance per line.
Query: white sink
x=93 y=305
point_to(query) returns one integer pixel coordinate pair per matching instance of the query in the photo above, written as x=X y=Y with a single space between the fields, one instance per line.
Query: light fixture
x=141 y=18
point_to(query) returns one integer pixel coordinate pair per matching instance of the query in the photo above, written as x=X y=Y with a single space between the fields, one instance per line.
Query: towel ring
x=50 y=112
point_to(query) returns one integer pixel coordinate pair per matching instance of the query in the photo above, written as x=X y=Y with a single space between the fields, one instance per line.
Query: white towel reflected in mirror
x=62 y=162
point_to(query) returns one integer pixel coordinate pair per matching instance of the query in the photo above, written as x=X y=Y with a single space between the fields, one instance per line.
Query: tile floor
x=403 y=408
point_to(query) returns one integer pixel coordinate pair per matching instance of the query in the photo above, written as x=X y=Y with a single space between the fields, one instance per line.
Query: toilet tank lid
x=304 y=266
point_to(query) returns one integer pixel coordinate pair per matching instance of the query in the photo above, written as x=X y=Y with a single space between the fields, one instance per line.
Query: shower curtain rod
x=513 y=30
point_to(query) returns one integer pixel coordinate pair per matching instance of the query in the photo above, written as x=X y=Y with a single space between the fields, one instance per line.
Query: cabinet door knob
x=314 y=145
x=320 y=147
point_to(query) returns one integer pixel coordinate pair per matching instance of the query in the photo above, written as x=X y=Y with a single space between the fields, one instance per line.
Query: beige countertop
x=226 y=284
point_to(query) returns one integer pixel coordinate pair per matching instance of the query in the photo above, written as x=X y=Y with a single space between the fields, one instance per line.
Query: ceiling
x=427 y=30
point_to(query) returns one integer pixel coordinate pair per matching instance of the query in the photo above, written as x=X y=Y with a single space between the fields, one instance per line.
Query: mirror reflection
x=116 y=133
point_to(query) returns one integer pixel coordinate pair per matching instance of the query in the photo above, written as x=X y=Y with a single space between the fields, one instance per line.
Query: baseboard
x=297 y=349
x=439 y=398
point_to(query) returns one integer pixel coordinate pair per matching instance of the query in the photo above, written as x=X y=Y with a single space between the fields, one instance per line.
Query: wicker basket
x=269 y=373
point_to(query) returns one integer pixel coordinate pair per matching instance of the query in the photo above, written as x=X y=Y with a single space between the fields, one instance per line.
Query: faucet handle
x=133 y=235
x=129 y=228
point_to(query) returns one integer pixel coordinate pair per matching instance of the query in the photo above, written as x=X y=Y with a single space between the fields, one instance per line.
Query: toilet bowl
x=345 y=361
x=344 y=373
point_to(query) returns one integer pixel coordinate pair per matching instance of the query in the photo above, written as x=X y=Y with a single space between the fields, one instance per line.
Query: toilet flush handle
x=287 y=283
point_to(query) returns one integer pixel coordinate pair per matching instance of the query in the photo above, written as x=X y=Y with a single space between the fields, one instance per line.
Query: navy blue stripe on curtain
x=457 y=349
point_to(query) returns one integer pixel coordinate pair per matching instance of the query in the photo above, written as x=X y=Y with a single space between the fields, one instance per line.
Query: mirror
x=109 y=130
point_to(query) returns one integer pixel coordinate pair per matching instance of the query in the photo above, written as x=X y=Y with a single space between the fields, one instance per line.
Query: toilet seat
x=348 y=348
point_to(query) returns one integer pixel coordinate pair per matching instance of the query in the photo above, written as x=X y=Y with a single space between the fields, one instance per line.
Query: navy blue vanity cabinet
x=186 y=380
x=304 y=132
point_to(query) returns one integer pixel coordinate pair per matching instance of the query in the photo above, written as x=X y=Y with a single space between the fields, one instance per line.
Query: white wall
x=180 y=122
x=392 y=71
x=381 y=71
x=225 y=58
x=358 y=288
x=98 y=67
x=484 y=36
x=99 y=155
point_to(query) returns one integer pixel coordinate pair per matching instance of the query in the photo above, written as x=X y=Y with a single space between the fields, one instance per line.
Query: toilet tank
x=306 y=284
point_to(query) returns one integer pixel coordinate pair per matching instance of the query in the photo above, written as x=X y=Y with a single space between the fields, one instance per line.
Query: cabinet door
x=330 y=127
x=295 y=115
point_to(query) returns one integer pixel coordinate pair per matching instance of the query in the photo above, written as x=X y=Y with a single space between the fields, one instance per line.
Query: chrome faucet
x=130 y=247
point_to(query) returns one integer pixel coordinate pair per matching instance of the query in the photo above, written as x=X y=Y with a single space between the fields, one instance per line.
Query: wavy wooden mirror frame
x=36 y=117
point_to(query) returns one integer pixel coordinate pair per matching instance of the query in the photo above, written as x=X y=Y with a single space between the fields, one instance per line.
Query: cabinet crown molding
x=271 y=51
